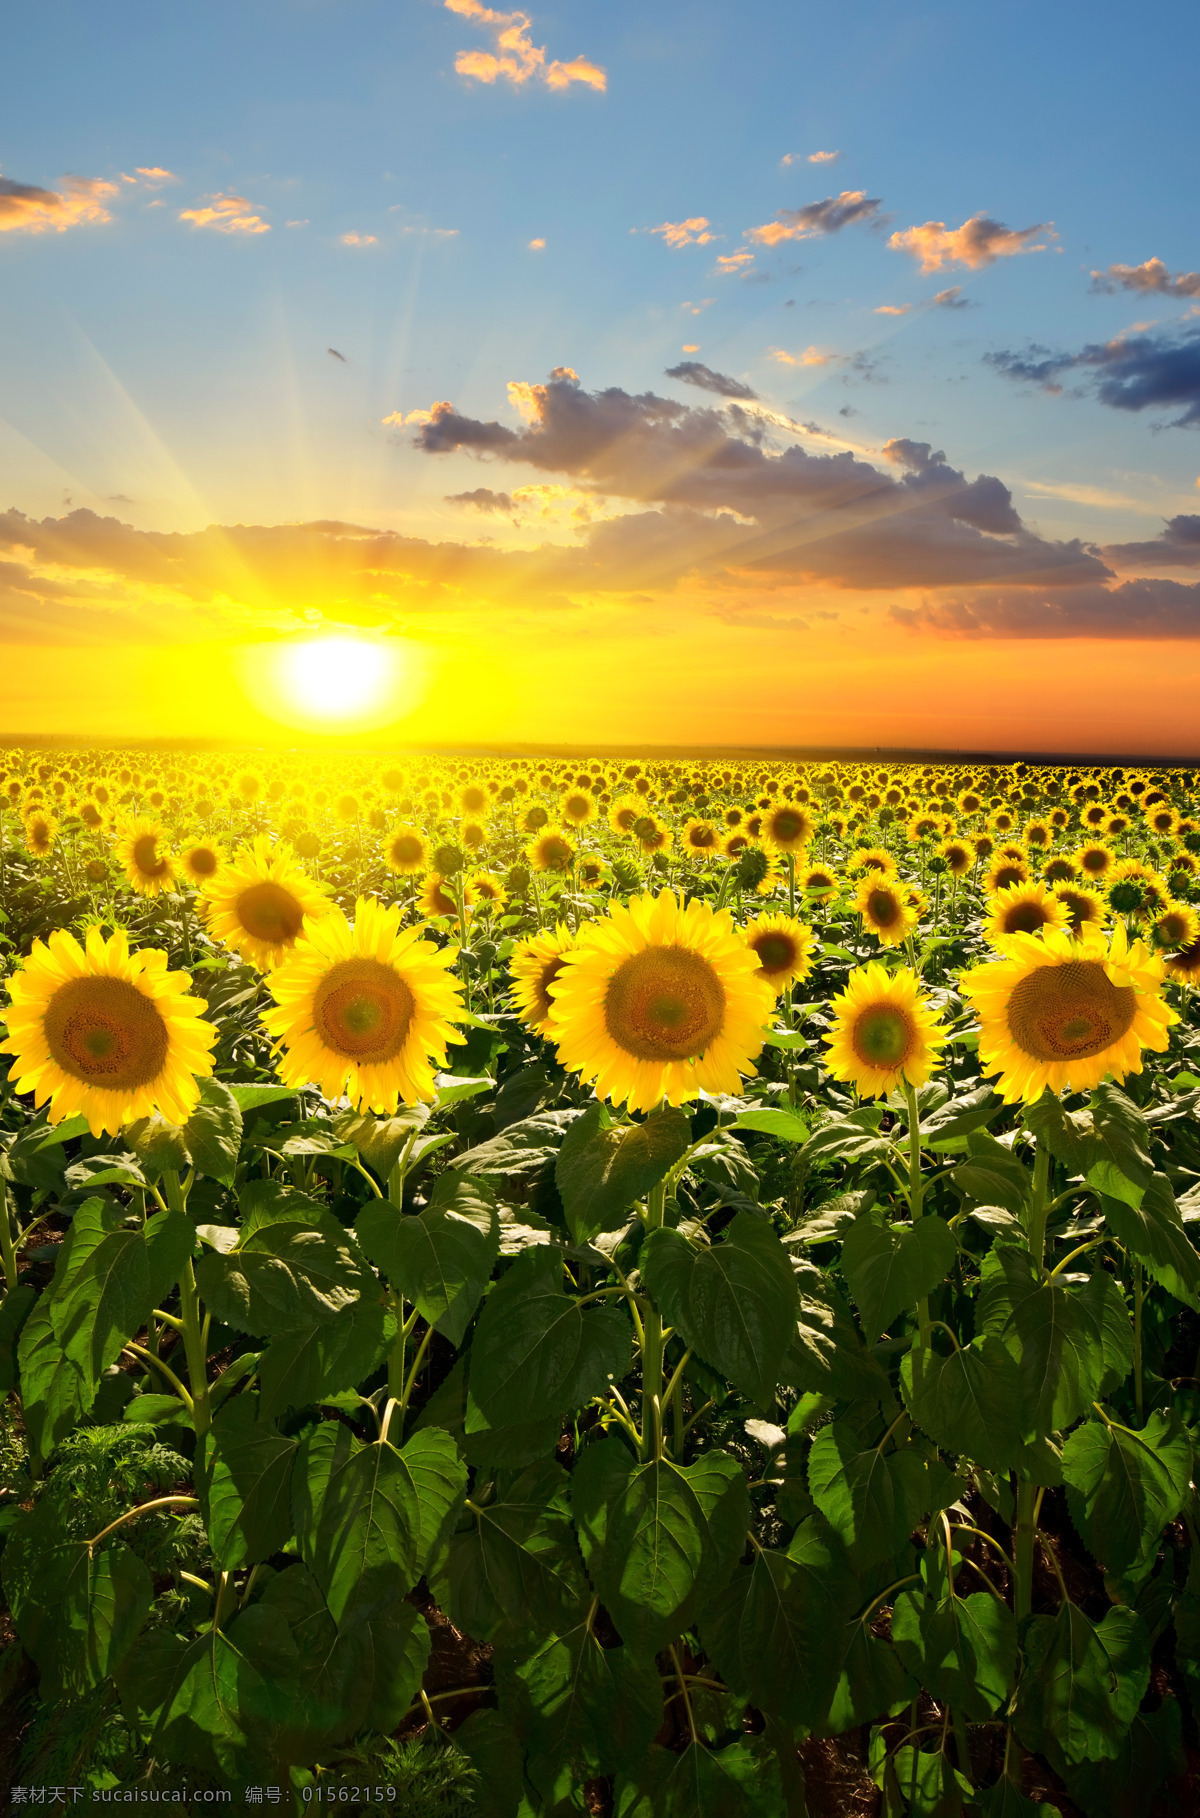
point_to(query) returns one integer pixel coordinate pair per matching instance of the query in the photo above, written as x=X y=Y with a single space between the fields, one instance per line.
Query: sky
x=797 y=375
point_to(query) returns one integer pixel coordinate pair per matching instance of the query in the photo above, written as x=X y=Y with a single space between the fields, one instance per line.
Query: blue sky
x=174 y=373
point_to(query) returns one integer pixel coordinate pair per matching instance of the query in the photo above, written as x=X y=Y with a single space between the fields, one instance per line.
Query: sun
x=336 y=683
x=335 y=678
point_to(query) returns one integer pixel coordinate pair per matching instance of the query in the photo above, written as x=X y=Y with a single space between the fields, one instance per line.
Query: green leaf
x=969 y=1402
x=246 y=1487
x=357 y=1517
x=516 y=1570
x=1151 y=1753
x=826 y=1353
x=213 y=1133
x=853 y=1138
x=960 y=1649
x=1155 y=1232
x=991 y=1175
x=15 y=1309
x=891 y=1267
x=302 y=1367
x=1124 y=1487
x=659 y=1539
x=581 y=1709
x=1102 y=1296
x=252 y=1097
x=441 y=1258
x=872 y=1684
x=194 y=1700
x=55 y=1395
x=284 y=1277
x=536 y=1351
x=116 y=1272
x=380 y=1141
x=603 y=1169
x=494 y=1751
x=1082 y=1684
x=872 y=1500
x=77 y=1614
x=160 y=1147
x=788 y=1126
x=743 y=1780
x=521 y=1149
x=1122 y=1167
x=778 y=1630
x=440 y=1476
x=1068 y=1135
x=1052 y=1332
x=733 y=1301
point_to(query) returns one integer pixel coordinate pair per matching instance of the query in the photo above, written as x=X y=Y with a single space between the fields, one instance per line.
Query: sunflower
x=789 y=827
x=552 y=852
x=700 y=839
x=959 y=856
x=41 y=829
x=1060 y=869
x=1086 y=908
x=577 y=807
x=1183 y=966
x=1003 y=873
x=1067 y=1011
x=106 y=1033
x=406 y=851
x=435 y=900
x=652 y=835
x=1023 y=909
x=535 y=963
x=758 y=868
x=260 y=902
x=885 y=1033
x=1095 y=860
x=365 y=1009
x=1175 y=927
x=818 y=883
x=624 y=813
x=473 y=800
x=874 y=859
x=148 y=868
x=784 y=947
x=1039 y=834
x=201 y=862
x=660 y=1002
x=591 y=872
x=886 y=909
x=487 y=891
x=90 y=815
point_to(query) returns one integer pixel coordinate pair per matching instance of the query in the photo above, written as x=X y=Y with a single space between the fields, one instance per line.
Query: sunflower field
x=657 y=1289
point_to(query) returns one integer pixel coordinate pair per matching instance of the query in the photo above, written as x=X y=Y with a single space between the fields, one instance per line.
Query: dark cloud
x=951 y=299
x=1151 y=278
x=828 y=216
x=1132 y=372
x=1177 y=546
x=1141 y=609
x=336 y=354
x=483 y=499
x=692 y=372
x=822 y=516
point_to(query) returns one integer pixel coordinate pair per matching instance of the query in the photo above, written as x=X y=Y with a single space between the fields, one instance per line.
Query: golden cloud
x=26 y=208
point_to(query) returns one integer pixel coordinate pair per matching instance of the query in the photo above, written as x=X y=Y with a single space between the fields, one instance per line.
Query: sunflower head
x=440 y=895
x=1175 y=927
x=406 y=851
x=886 y=908
x=700 y=839
x=487 y=891
x=1095 y=860
x=365 y=1010
x=819 y=883
x=148 y=865
x=959 y=856
x=1085 y=908
x=261 y=901
x=105 y=1033
x=534 y=965
x=41 y=830
x=789 y=827
x=554 y=852
x=577 y=807
x=785 y=948
x=660 y=1002
x=885 y=1033
x=1023 y=909
x=201 y=862
x=1067 y=1011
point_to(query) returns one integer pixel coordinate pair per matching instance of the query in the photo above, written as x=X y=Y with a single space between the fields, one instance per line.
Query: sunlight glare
x=336 y=683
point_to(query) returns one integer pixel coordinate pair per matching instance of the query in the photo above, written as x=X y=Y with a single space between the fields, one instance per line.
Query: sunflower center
x=776 y=951
x=1025 y=918
x=145 y=856
x=104 y=1032
x=362 y=1009
x=203 y=862
x=883 y=908
x=787 y=826
x=664 y=1004
x=270 y=913
x=882 y=1036
x=407 y=850
x=1069 y=1012
x=549 y=973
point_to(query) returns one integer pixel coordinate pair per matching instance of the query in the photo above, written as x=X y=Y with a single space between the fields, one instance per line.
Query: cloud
x=482 y=498
x=357 y=239
x=691 y=372
x=516 y=58
x=692 y=232
x=537 y=245
x=1177 y=546
x=229 y=215
x=893 y=309
x=25 y=208
x=812 y=356
x=1140 y=609
x=1131 y=372
x=155 y=173
x=336 y=354
x=691 y=347
x=717 y=495
x=1152 y=277
x=816 y=218
x=979 y=242
x=728 y=263
x=951 y=299
x=695 y=309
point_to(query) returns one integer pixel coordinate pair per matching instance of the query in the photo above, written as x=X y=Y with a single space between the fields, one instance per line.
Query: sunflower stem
x=1138 y=1381
x=7 y=1247
x=916 y=1193
x=194 y=1346
x=652 y=1343
x=1023 y=1538
x=1038 y=1209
